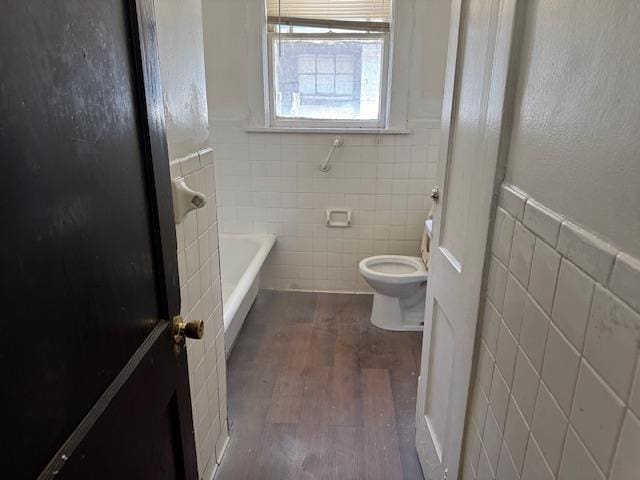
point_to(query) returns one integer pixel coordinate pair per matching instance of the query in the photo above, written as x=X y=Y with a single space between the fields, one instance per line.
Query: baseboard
x=342 y=292
x=223 y=450
x=209 y=475
x=216 y=459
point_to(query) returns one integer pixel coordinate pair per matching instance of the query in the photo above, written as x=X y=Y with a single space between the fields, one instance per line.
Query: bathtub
x=241 y=258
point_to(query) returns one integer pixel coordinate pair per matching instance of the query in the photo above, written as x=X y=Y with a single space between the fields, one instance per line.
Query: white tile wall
x=199 y=269
x=558 y=368
x=516 y=434
x=270 y=183
x=521 y=253
x=506 y=353
x=549 y=426
x=611 y=345
x=572 y=303
x=535 y=467
x=561 y=364
x=576 y=460
x=625 y=279
x=544 y=274
x=626 y=464
x=596 y=415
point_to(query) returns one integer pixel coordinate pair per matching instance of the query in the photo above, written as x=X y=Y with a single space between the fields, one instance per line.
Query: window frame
x=270 y=93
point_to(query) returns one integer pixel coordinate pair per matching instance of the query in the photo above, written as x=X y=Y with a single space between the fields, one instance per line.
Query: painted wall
x=182 y=70
x=270 y=182
x=575 y=143
x=183 y=79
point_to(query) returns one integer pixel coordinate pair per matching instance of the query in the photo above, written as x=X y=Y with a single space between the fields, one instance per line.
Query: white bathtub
x=241 y=258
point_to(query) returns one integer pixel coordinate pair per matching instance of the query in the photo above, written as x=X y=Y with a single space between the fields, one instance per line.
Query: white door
x=474 y=116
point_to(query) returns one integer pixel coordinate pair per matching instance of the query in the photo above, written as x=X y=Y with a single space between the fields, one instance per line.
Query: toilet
x=400 y=285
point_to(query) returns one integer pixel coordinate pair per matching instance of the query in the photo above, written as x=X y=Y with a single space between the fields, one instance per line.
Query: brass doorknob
x=183 y=329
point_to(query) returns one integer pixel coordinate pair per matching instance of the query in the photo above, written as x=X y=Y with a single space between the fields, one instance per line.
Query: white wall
x=557 y=388
x=575 y=143
x=200 y=291
x=270 y=182
x=182 y=70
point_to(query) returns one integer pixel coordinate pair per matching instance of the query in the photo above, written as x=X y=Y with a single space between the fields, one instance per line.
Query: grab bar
x=337 y=143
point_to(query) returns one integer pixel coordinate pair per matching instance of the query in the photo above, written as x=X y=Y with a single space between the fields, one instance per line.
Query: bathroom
x=321 y=239
x=299 y=207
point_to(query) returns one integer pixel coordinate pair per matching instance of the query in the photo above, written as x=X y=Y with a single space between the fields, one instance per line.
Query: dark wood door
x=92 y=386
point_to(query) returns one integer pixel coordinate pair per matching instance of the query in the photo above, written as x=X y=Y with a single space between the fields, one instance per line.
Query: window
x=328 y=62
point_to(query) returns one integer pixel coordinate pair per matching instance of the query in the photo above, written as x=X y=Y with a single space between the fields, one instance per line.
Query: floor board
x=317 y=392
x=286 y=400
x=381 y=450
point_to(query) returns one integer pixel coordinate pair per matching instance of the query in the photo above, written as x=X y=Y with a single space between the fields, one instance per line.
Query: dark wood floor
x=317 y=392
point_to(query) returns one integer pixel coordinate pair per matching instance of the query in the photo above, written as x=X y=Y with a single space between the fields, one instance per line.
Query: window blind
x=358 y=14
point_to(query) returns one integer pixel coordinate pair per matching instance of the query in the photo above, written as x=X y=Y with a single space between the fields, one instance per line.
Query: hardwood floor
x=317 y=392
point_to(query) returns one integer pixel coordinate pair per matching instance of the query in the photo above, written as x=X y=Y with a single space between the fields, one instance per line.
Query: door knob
x=435 y=194
x=183 y=329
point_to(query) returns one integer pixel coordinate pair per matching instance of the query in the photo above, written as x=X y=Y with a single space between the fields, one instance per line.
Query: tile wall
x=557 y=387
x=199 y=269
x=270 y=183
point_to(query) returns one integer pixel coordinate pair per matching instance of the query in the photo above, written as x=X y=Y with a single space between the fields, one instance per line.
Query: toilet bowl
x=400 y=285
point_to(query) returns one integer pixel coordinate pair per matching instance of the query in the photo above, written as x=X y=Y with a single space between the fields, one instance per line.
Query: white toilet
x=400 y=284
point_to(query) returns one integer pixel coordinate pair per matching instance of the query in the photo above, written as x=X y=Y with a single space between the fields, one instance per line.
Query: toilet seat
x=395 y=269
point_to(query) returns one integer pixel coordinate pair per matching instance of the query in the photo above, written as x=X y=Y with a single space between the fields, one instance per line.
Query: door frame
x=148 y=86
x=495 y=146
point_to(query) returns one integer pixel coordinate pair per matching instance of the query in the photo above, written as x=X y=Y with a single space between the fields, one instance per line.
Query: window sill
x=337 y=130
